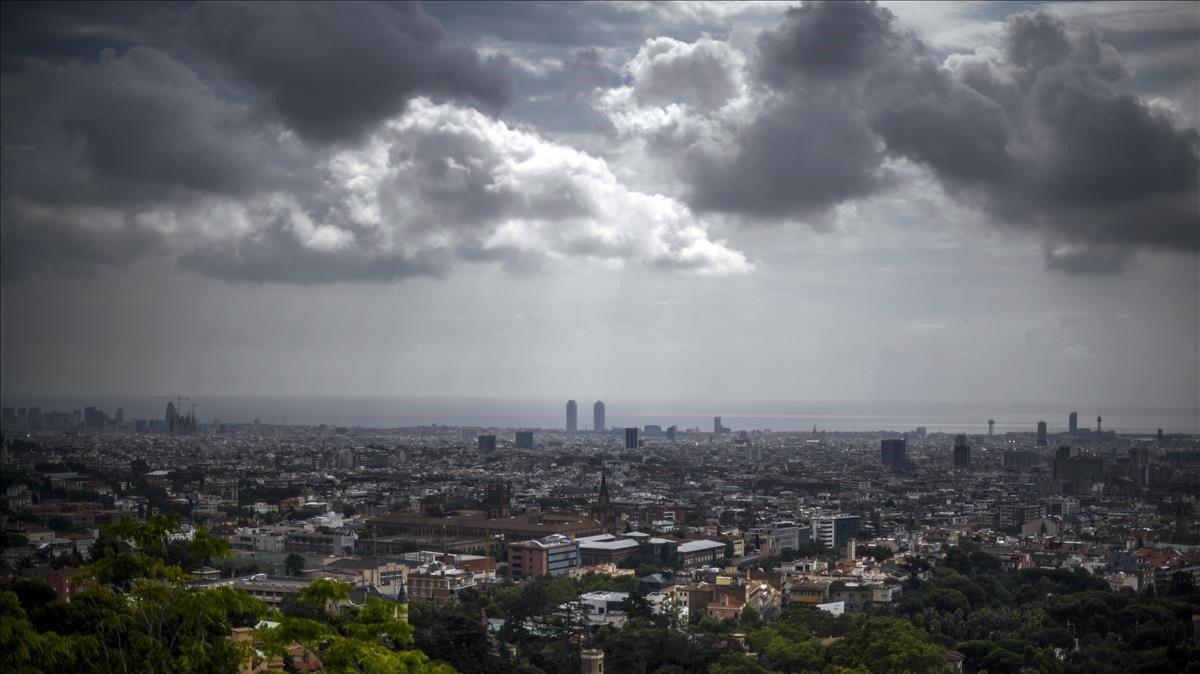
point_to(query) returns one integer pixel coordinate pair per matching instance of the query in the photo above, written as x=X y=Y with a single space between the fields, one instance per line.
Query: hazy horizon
x=950 y=416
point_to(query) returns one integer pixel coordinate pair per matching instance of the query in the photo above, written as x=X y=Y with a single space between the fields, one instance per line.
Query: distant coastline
x=777 y=415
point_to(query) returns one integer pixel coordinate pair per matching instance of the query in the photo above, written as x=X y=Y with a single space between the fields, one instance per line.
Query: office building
x=832 y=531
x=572 y=416
x=893 y=453
x=1010 y=515
x=1041 y=434
x=631 y=438
x=93 y=418
x=554 y=555
x=524 y=440
x=962 y=452
x=789 y=535
x=1075 y=472
x=440 y=584
x=598 y=423
x=754 y=455
x=333 y=543
x=606 y=549
x=1073 y=423
x=717 y=427
x=671 y=431
x=1139 y=464
x=700 y=553
x=487 y=444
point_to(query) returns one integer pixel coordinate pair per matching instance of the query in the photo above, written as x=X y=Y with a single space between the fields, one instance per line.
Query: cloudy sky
x=736 y=201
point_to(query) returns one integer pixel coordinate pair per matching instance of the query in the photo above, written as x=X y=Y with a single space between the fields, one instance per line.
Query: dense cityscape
x=567 y=550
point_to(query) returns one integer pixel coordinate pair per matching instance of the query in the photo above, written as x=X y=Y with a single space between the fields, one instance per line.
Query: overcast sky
x=745 y=201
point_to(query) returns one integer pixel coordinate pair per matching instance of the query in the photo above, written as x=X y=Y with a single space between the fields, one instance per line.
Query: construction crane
x=178 y=410
x=178 y=401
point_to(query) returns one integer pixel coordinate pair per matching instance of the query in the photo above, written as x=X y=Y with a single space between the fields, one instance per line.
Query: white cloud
x=509 y=194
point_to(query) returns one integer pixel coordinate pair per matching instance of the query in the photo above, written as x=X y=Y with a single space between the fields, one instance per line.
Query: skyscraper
x=1073 y=423
x=171 y=418
x=1041 y=434
x=717 y=427
x=631 y=438
x=598 y=423
x=572 y=416
x=991 y=426
x=892 y=453
x=487 y=444
x=1139 y=463
x=962 y=452
x=1099 y=425
x=524 y=440
x=93 y=418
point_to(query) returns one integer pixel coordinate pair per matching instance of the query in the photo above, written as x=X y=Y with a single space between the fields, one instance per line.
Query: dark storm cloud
x=960 y=134
x=119 y=120
x=799 y=157
x=144 y=121
x=1039 y=137
x=36 y=32
x=332 y=70
x=35 y=239
x=1096 y=167
x=827 y=40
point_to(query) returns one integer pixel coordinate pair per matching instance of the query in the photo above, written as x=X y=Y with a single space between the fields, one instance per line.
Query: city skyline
x=57 y=415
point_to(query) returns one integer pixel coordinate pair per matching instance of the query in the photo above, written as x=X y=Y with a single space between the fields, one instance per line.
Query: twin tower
x=597 y=417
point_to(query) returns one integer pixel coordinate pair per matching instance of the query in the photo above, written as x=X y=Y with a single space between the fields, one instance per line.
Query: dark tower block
x=572 y=416
x=962 y=453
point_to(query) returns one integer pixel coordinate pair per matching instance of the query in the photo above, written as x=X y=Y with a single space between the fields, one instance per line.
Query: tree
x=324 y=594
x=32 y=593
x=294 y=565
x=737 y=663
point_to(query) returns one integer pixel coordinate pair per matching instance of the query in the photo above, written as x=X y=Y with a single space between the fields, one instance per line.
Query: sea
x=946 y=416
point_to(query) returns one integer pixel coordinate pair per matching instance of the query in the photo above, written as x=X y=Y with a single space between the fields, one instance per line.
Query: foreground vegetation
x=136 y=614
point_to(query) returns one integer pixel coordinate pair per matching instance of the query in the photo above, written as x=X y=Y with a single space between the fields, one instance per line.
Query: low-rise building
x=553 y=555
x=606 y=552
x=438 y=583
x=698 y=553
